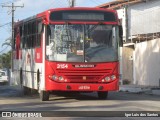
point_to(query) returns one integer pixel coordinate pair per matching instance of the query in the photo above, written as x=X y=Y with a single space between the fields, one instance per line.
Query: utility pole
x=13 y=7
x=13 y=10
x=72 y=3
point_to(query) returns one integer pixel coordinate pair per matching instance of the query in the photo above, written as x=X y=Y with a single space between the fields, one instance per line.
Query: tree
x=5 y=60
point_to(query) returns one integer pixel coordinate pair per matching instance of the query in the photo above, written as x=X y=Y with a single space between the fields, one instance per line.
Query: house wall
x=147 y=63
x=144 y=17
x=127 y=64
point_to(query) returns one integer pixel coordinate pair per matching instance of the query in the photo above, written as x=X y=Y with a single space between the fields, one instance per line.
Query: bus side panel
x=31 y=65
x=38 y=55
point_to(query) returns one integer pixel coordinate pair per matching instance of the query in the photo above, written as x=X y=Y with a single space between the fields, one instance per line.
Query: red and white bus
x=68 y=49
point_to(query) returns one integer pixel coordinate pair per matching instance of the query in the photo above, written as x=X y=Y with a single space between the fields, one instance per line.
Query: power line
x=13 y=7
x=5 y=24
x=3 y=49
x=100 y=2
x=60 y=4
x=52 y=4
x=71 y=3
x=4 y=27
x=5 y=3
x=95 y=1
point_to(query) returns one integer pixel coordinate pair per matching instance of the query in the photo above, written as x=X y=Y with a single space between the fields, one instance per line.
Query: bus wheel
x=44 y=95
x=102 y=95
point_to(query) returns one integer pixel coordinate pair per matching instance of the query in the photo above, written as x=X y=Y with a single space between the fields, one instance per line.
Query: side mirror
x=120 y=36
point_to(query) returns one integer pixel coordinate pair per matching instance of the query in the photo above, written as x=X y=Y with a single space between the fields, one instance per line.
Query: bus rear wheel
x=102 y=95
x=44 y=95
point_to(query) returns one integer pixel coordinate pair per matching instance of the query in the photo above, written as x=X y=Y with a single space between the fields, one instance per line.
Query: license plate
x=84 y=87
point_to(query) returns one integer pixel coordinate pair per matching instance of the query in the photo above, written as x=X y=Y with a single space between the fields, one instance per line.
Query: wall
x=127 y=64
x=144 y=17
x=147 y=63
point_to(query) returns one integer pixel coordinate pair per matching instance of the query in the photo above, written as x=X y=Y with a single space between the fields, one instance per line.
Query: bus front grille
x=85 y=76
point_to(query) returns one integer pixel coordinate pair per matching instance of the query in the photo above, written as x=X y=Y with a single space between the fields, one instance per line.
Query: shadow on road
x=14 y=91
x=72 y=101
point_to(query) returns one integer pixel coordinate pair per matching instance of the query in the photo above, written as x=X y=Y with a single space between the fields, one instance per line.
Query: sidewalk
x=139 y=89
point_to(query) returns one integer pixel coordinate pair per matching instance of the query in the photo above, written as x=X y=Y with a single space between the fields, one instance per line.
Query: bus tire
x=38 y=82
x=44 y=95
x=21 y=78
x=102 y=95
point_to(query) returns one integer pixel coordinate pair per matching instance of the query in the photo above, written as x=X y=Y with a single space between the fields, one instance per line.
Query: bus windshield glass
x=82 y=43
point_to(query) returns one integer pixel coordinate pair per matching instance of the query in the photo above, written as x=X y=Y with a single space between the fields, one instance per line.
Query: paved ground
x=11 y=99
x=140 y=89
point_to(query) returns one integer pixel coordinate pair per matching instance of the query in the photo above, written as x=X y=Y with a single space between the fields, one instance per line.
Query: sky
x=32 y=7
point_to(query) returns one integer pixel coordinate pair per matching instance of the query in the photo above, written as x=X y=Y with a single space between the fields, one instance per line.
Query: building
x=141 y=51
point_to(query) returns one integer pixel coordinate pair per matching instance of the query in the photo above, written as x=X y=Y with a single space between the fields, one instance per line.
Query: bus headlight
x=113 y=77
x=107 y=79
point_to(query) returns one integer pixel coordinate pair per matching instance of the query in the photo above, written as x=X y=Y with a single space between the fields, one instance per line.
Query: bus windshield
x=82 y=43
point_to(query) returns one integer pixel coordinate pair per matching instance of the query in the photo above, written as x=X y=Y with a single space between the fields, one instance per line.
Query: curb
x=137 y=89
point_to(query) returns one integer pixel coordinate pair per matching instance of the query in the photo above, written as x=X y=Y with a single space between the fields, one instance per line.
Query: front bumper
x=113 y=86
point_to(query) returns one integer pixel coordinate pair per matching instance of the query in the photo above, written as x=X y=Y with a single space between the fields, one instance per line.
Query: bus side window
x=24 y=42
x=25 y=33
x=33 y=34
x=48 y=35
x=29 y=35
x=25 y=30
x=20 y=30
x=21 y=38
x=39 y=31
x=40 y=27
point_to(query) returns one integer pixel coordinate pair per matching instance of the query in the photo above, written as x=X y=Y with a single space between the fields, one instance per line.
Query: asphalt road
x=11 y=99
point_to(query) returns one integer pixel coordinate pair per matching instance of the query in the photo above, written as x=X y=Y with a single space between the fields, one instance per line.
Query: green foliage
x=5 y=60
